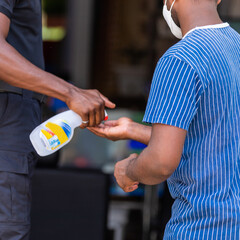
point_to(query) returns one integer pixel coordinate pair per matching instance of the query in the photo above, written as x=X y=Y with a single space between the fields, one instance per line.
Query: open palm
x=113 y=130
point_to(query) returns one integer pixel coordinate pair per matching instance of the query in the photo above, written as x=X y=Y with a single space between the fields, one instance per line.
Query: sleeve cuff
x=171 y=122
x=5 y=11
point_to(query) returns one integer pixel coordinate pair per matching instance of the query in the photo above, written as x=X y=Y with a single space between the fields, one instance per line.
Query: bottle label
x=54 y=134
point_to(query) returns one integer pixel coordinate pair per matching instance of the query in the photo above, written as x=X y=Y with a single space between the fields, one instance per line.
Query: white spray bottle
x=56 y=132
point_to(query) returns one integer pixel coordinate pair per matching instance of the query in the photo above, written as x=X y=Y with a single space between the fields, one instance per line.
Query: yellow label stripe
x=57 y=130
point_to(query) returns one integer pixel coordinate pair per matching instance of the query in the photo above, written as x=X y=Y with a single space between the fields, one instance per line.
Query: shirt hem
x=172 y=122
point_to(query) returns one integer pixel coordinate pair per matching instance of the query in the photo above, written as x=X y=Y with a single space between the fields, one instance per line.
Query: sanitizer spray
x=56 y=132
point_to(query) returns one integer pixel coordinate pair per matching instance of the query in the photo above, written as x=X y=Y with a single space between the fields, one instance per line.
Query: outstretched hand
x=113 y=130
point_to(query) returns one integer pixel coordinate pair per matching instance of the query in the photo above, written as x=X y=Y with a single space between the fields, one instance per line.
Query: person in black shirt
x=23 y=82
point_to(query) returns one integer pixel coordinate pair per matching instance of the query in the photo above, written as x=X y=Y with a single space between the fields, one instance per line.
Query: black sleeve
x=6 y=7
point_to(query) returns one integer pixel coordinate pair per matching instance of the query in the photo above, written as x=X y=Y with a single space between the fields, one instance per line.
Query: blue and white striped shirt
x=196 y=87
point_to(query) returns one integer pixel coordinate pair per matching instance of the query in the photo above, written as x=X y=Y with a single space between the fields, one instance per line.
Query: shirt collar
x=221 y=25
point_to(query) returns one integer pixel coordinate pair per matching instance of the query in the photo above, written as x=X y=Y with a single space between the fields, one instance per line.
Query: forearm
x=139 y=132
x=19 y=72
x=147 y=169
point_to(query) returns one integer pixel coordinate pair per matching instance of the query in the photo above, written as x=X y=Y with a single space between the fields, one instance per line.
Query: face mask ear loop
x=172 y=5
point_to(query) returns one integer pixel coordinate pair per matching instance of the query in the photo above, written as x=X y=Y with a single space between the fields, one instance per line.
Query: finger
x=98 y=118
x=91 y=129
x=135 y=183
x=84 y=125
x=97 y=128
x=132 y=184
x=133 y=155
x=131 y=189
x=107 y=102
x=96 y=132
x=112 y=123
x=85 y=120
x=92 y=119
x=100 y=114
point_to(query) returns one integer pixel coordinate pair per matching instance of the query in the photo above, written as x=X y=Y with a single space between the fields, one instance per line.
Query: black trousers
x=19 y=115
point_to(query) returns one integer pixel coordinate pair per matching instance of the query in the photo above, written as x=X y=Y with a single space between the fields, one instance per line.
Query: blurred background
x=112 y=46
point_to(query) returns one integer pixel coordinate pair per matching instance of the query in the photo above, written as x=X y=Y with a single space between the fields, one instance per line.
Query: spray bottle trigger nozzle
x=106 y=116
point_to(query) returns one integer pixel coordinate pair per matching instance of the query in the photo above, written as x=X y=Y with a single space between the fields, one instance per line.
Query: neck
x=198 y=15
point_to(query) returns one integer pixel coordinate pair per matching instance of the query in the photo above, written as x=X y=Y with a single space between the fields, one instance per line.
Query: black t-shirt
x=25 y=33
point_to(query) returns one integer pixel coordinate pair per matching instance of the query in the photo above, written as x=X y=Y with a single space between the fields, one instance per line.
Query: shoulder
x=192 y=51
x=7 y=6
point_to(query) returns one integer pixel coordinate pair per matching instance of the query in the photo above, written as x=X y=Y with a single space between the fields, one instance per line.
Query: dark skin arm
x=156 y=163
x=123 y=129
x=19 y=72
x=161 y=158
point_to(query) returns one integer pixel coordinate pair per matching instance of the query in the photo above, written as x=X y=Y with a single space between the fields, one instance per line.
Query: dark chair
x=69 y=205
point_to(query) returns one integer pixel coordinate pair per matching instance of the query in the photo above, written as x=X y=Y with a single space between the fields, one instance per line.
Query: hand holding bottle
x=90 y=105
x=56 y=132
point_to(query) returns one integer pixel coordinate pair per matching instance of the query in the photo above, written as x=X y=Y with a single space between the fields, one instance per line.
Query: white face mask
x=176 y=31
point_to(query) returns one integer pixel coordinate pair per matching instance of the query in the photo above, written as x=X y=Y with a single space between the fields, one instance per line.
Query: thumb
x=108 y=103
x=112 y=123
x=133 y=155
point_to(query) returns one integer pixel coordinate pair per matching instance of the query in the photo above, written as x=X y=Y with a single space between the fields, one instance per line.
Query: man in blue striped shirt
x=194 y=141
